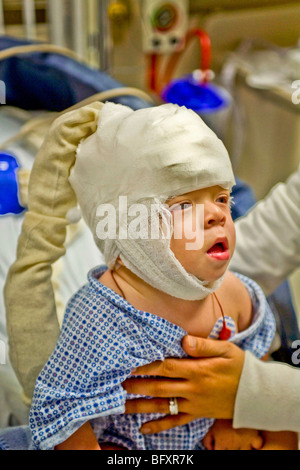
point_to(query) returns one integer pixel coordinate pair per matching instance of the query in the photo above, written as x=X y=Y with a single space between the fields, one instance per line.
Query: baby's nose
x=213 y=215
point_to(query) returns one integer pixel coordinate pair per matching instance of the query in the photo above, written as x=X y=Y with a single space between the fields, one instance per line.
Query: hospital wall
x=269 y=118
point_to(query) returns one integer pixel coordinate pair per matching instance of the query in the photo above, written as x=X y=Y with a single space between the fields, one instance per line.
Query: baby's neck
x=147 y=298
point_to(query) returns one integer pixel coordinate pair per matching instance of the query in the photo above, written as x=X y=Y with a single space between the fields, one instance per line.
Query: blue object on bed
x=9 y=200
x=53 y=82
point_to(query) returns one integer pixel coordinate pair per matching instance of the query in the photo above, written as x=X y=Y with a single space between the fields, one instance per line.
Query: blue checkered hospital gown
x=103 y=338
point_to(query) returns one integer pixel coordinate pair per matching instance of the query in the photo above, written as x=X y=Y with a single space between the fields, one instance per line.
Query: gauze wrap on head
x=148 y=155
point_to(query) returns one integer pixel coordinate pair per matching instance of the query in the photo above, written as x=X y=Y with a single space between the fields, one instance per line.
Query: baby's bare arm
x=82 y=439
x=222 y=436
x=284 y=440
x=236 y=299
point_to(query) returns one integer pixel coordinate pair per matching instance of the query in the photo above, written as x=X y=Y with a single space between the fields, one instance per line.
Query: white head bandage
x=147 y=156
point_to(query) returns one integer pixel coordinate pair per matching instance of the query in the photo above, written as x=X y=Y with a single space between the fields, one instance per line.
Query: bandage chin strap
x=155 y=263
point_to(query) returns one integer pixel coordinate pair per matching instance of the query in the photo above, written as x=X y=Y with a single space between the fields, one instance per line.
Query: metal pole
x=29 y=18
x=93 y=33
x=80 y=27
x=99 y=42
x=83 y=26
x=54 y=12
x=60 y=22
x=2 y=26
x=105 y=43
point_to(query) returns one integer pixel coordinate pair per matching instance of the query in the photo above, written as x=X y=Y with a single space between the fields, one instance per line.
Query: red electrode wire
x=152 y=72
x=205 y=45
x=157 y=85
x=225 y=333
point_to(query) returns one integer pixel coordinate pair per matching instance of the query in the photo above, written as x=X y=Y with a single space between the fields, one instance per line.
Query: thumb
x=201 y=347
x=258 y=442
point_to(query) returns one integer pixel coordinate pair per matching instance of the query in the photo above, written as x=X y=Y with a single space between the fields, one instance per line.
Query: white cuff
x=268 y=396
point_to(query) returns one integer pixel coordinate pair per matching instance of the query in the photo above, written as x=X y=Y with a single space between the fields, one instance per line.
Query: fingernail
x=192 y=342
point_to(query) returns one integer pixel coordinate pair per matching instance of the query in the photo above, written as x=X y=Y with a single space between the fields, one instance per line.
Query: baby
x=154 y=187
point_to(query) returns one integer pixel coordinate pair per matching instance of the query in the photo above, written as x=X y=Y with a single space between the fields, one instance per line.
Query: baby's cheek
x=232 y=238
x=178 y=248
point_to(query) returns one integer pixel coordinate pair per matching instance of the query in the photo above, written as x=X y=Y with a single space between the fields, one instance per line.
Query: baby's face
x=215 y=229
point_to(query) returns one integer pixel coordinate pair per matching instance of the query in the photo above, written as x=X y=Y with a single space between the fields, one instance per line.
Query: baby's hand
x=222 y=436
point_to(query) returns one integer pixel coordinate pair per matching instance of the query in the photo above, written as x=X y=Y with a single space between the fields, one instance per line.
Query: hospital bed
x=39 y=84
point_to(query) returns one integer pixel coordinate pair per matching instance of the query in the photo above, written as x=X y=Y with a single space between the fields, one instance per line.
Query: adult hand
x=205 y=384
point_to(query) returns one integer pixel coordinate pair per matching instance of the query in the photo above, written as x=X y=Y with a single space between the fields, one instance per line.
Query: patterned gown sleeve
x=97 y=350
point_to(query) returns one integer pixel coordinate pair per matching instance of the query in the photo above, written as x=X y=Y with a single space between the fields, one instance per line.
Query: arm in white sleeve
x=268 y=396
x=268 y=237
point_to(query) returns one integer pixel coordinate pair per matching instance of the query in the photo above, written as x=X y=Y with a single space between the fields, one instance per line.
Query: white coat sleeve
x=268 y=237
x=268 y=396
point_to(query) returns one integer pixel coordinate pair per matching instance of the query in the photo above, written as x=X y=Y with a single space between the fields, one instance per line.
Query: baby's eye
x=180 y=206
x=223 y=199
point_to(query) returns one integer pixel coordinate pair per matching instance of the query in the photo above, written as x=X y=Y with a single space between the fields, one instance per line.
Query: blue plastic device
x=201 y=98
x=9 y=201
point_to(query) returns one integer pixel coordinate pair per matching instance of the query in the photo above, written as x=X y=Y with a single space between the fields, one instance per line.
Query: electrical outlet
x=164 y=25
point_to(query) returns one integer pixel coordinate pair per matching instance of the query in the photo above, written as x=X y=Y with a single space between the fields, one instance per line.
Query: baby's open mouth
x=219 y=250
